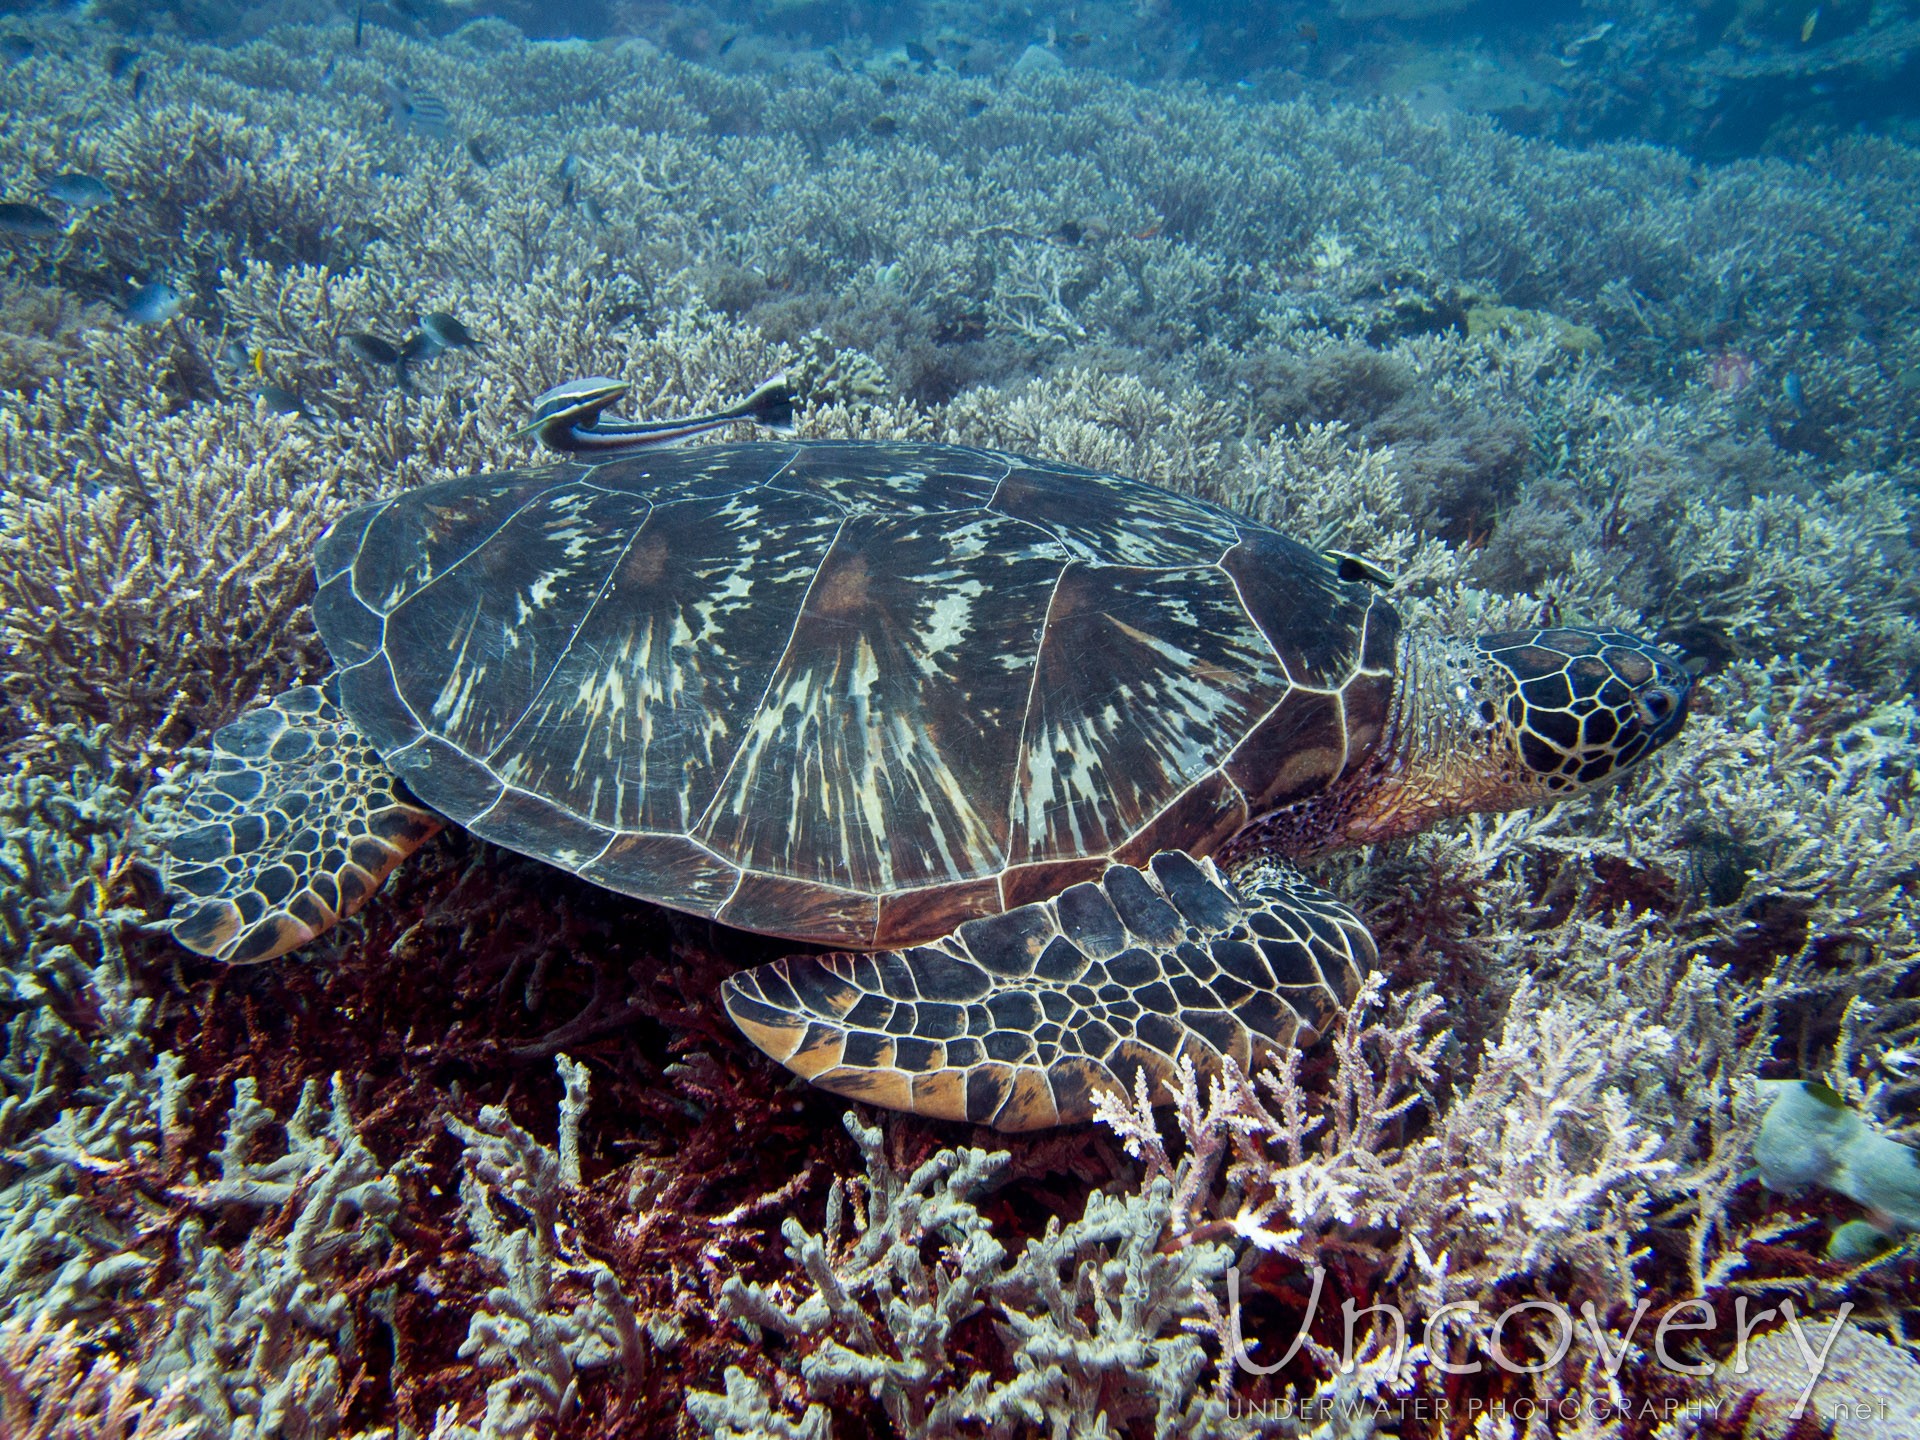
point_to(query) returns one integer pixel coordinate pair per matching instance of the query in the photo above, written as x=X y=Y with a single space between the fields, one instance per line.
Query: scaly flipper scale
x=1018 y=1020
x=291 y=827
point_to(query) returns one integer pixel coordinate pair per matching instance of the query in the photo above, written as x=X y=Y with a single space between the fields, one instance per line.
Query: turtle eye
x=1655 y=704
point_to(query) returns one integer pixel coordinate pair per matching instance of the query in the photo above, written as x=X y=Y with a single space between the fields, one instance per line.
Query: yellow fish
x=1806 y=27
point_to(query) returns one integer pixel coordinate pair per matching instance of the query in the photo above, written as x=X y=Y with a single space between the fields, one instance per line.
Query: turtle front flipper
x=1019 y=1020
x=291 y=827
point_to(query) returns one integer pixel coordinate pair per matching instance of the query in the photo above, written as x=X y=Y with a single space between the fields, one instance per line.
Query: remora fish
x=567 y=417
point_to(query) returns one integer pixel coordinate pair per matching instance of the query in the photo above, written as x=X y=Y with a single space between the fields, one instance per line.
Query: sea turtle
x=976 y=720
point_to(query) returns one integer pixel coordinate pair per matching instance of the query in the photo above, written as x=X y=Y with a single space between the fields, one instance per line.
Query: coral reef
x=50 y=1386
x=1089 y=1312
x=489 y=1161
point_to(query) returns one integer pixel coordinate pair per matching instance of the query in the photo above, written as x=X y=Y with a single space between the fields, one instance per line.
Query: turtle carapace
x=976 y=721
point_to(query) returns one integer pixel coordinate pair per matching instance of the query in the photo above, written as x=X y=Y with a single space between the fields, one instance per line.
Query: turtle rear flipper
x=1017 y=1021
x=291 y=827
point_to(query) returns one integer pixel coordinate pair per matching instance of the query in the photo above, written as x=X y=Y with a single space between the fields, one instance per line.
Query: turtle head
x=1579 y=708
x=1514 y=719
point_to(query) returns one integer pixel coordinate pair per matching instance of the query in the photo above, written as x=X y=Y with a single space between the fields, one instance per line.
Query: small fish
x=1806 y=27
x=240 y=358
x=1151 y=231
x=82 y=192
x=977 y=107
x=31 y=220
x=569 y=172
x=884 y=125
x=416 y=110
x=372 y=349
x=416 y=347
x=596 y=211
x=835 y=63
x=279 y=400
x=727 y=44
x=152 y=303
x=477 y=152
x=1309 y=32
x=359 y=24
x=447 y=332
x=1796 y=394
x=16 y=48
x=326 y=75
x=119 y=60
x=375 y=351
x=919 y=54
x=139 y=83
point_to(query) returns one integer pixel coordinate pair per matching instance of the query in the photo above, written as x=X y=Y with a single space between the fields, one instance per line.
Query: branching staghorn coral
x=40 y=333
x=77 y=1067
x=688 y=171
x=1103 y=422
x=1091 y=1331
x=238 y=1337
x=527 y=1326
x=52 y=1387
x=108 y=1219
x=1778 y=838
x=259 y=1331
x=1826 y=576
x=154 y=565
x=1537 y=1162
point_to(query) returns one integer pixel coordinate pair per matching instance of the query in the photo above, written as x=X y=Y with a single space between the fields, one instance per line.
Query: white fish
x=416 y=110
